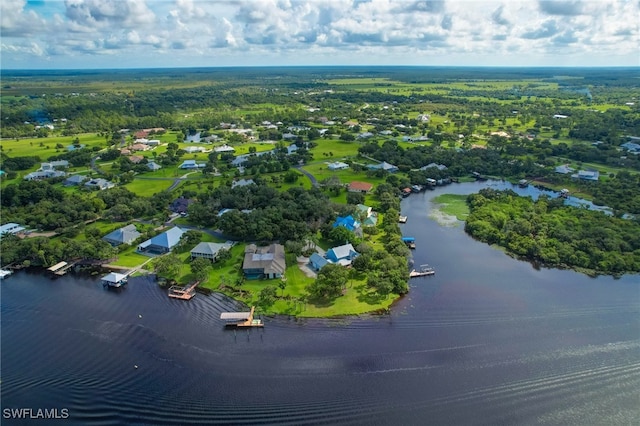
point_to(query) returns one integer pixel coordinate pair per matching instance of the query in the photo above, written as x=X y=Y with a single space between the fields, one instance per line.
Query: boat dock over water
x=114 y=280
x=4 y=273
x=183 y=293
x=424 y=271
x=61 y=268
x=241 y=319
x=402 y=219
x=410 y=242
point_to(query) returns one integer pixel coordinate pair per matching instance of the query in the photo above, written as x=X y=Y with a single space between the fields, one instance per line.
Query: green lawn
x=148 y=187
x=46 y=147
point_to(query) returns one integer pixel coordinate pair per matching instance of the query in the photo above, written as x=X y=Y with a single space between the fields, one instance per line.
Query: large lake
x=488 y=340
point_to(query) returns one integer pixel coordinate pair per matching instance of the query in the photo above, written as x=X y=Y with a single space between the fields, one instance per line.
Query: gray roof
x=344 y=251
x=125 y=235
x=269 y=259
x=167 y=239
x=75 y=179
x=210 y=248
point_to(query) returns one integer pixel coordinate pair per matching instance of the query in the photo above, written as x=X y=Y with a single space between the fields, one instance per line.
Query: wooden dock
x=183 y=293
x=425 y=270
x=241 y=319
x=61 y=268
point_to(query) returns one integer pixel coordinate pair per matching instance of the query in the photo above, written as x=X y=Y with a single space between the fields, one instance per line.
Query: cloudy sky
x=55 y=34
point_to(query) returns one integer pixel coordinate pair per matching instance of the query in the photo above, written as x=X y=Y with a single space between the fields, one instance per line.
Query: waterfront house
x=430 y=165
x=587 y=175
x=348 y=222
x=125 y=235
x=364 y=211
x=317 y=262
x=564 y=169
x=383 y=166
x=162 y=243
x=209 y=250
x=342 y=255
x=363 y=187
x=264 y=262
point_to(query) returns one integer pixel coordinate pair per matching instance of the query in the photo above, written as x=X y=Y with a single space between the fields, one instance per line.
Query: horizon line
x=329 y=66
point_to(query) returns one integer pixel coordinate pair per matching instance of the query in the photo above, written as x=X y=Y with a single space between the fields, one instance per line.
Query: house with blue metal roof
x=317 y=262
x=348 y=222
x=162 y=243
x=342 y=254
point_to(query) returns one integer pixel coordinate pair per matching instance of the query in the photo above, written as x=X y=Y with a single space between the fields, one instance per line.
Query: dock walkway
x=183 y=293
x=424 y=271
x=241 y=319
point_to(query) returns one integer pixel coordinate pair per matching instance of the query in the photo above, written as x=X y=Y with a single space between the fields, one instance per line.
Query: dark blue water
x=488 y=340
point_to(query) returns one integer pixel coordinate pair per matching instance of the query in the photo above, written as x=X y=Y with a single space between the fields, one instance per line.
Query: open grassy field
x=46 y=147
x=148 y=187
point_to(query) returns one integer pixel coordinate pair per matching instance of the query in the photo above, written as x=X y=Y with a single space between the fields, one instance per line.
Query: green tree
x=200 y=267
x=168 y=265
x=267 y=297
x=329 y=283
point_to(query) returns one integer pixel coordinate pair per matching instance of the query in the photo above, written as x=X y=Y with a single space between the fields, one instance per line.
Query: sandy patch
x=442 y=218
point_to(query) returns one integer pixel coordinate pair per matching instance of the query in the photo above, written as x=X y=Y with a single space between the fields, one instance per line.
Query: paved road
x=313 y=179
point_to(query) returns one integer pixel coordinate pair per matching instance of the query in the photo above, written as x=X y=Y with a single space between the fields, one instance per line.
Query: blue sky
x=67 y=34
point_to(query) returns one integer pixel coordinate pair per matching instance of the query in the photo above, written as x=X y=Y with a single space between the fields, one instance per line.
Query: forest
x=546 y=231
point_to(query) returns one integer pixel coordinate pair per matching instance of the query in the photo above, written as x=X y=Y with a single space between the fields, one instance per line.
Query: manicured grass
x=46 y=147
x=130 y=259
x=148 y=187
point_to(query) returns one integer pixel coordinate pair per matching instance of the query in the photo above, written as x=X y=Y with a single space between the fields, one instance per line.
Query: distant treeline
x=553 y=234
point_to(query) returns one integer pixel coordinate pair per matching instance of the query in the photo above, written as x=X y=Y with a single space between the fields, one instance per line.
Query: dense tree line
x=548 y=232
x=268 y=214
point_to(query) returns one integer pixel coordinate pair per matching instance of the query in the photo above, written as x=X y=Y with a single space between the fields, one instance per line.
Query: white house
x=191 y=164
x=338 y=165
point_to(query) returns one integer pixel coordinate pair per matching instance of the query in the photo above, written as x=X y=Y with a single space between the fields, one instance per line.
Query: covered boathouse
x=114 y=280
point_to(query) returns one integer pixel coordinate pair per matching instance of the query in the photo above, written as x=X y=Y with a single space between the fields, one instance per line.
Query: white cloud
x=263 y=32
